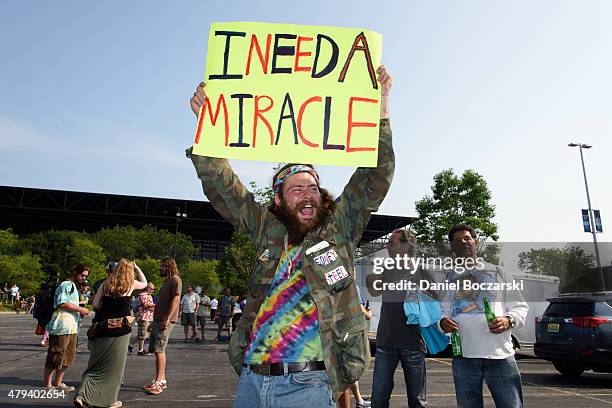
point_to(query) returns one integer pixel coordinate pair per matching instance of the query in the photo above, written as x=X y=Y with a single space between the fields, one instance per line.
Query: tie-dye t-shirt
x=64 y=321
x=287 y=326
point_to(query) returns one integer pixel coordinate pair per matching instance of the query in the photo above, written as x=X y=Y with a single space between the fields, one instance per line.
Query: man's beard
x=296 y=228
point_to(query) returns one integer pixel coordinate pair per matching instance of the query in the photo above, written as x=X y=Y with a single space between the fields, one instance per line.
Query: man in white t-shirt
x=214 y=303
x=190 y=304
x=487 y=350
x=14 y=294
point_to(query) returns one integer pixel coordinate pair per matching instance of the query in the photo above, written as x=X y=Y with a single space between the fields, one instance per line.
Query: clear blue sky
x=94 y=97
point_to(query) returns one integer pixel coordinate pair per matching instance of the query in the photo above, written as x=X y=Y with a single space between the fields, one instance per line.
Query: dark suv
x=575 y=333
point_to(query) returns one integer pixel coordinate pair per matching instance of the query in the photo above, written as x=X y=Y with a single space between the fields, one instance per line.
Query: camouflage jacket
x=342 y=324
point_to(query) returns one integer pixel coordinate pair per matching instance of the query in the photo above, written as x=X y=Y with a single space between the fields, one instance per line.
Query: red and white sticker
x=336 y=275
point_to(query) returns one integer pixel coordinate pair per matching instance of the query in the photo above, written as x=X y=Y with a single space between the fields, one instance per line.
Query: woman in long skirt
x=104 y=374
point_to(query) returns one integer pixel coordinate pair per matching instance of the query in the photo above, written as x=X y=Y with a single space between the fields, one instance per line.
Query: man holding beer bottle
x=480 y=322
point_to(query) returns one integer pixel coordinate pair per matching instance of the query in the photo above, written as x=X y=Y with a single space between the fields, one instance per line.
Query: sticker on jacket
x=336 y=275
x=316 y=247
x=326 y=258
x=265 y=256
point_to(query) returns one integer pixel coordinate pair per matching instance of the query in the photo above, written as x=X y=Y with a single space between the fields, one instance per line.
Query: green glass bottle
x=488 y=311
x=456 y=343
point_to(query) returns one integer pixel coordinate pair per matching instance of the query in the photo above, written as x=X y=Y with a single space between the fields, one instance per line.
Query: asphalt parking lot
x=199 y=375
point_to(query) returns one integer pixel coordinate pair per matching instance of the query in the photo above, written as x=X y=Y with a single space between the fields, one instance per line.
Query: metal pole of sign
x=591 y=216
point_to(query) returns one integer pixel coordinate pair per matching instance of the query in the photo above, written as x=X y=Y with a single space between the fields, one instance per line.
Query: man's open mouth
x=307 y=211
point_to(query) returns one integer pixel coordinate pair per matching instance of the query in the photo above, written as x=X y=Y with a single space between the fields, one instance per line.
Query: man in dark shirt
x=226 y=307
x=395 y=340
x=164 y=318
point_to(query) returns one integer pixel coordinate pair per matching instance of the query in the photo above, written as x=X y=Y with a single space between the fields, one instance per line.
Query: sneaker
x=143 y=353
x=197 y=340
x=130 y=348
x=186 y=340
x=64 y=387
x=363 y=404
x=44 y=344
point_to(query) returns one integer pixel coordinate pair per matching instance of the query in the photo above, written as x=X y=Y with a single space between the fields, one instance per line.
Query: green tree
x=59 y=251
x=158 y=243
x=129 y=242
x=202 y=273
x=150 y=268
x=465 y=199
x=543 y=261
x=25 y=270
x=52 y=248
x=264 y=195
x=118 y=242
x=83 y=250
x=9 y=242
x=571 y=264
x=237 y=263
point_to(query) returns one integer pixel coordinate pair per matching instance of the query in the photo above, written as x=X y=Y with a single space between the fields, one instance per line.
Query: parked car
x=575 y=333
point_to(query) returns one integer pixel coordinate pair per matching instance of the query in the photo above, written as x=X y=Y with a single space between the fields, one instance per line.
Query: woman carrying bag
x=109 y=337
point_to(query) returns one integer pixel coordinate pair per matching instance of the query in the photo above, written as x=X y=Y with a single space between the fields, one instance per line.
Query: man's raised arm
x=221 y=185
x=368 y=187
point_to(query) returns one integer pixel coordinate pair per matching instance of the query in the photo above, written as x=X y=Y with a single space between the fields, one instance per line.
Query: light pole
x=591 y=216
x=179 y=216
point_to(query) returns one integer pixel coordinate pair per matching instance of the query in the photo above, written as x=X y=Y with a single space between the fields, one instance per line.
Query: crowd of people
x=119 y=301
x=12 y=297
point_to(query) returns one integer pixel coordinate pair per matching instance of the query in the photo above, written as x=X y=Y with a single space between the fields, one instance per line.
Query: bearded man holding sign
x=302 y=339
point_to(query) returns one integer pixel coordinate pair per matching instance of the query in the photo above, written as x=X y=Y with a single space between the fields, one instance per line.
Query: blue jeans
x=413 y=364
x=502 y=377
x=304 y=389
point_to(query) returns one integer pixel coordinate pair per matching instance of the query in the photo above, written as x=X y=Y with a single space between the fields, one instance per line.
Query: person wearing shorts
x=202 y=314
x=62 y=349
x=64 y=328
x=226 y=307
x=144 y=316
x=190 y=303
x=158 y=337
x=164 y=318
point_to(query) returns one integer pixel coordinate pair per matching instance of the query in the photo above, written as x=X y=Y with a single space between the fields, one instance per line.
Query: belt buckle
x=261 y=369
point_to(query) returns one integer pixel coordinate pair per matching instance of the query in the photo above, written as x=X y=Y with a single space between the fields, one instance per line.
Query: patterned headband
x=290 y=171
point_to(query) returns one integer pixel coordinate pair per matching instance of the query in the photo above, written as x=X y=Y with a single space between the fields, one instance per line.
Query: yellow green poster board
x=291 y=93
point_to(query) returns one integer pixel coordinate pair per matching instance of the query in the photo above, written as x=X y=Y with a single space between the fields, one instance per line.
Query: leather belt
x=269 y=369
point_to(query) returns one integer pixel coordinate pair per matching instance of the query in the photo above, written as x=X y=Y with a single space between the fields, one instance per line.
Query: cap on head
x=111 y=266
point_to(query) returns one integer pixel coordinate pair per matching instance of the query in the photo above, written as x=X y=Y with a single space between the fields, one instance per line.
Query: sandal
x=156 y=389
x=153 y=383
x=80 y=403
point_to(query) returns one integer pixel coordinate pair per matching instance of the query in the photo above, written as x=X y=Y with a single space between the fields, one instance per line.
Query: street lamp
x=179 y=216
x=591 y=216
